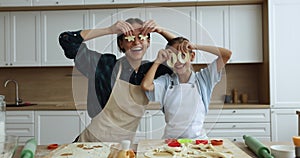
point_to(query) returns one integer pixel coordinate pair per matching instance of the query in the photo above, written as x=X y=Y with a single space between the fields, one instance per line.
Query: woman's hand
x=150 y=26
x=122 y=27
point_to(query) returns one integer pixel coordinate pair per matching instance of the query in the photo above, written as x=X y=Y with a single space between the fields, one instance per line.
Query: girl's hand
x=162 y=56
x=122 y=27
x=150 y=26
x=186 y=46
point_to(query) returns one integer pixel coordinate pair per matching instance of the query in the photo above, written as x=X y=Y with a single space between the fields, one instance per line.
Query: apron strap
x=119 y=72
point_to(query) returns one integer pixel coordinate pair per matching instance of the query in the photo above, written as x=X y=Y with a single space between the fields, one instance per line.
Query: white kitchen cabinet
x=141 y=131
x=182 y=25
x=4 y=39
x=102 y=18
x=87 y=2
x=57 y=2
x=54 y=23
x=58 y=126
x=234 y=123
x=245 y=33
x=25 y=38
x=10 y=3
x=155 y=124
x=212 y=29
x=21 y=124
x=284 y=124
x=284 y=55
x=164 y=1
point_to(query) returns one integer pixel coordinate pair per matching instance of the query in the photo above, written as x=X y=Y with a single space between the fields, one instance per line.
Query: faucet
x=18 y=100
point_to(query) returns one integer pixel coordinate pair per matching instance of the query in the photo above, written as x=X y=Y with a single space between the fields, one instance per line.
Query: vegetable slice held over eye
x=171 y=62
x=130 y=38
x=142 y=37
x=185 y=59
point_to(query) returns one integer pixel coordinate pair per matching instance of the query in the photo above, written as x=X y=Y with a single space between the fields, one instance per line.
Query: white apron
x=184 y=112
x=120 y=117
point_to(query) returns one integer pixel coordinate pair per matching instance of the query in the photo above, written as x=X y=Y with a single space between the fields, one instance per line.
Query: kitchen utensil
x=283 y=151
x=29 y=149
x=8 y=144
x=257 y=147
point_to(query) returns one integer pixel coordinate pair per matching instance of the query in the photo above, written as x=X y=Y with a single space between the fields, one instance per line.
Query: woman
x=113 y=83
x=184 y=95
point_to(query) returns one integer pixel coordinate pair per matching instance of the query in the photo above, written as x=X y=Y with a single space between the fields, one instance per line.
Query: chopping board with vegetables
x=220 y=148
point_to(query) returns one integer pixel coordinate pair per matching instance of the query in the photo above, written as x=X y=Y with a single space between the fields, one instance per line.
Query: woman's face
x=135 y=50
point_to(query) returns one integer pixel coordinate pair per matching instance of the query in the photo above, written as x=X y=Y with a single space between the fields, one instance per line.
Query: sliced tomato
x=52 y=146
x=216 y=142
x=174 y=144
x=201 y=141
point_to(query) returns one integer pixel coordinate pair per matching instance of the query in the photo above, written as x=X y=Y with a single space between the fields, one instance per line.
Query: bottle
x=235 y=96
x=2 y=116
x=257 y=147
x=125 y=152
x=29 y=149
x=2 y=120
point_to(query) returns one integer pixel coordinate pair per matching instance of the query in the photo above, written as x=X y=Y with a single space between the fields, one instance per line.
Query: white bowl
x=283 y=151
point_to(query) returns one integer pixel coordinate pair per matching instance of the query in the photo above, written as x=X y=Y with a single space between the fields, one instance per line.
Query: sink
x=20 y=105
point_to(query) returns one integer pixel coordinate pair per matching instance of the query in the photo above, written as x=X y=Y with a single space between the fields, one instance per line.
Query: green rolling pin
x=257 y=147
x=28 y=150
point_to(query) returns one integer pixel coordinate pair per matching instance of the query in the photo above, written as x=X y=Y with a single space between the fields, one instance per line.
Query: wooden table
x=43 y=151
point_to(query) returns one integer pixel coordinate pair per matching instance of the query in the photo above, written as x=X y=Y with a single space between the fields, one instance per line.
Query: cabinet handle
x=233 y=111
x=233 y=126
x=6 y=63
x=234 y=139
x=56 y=2
x=10 y=64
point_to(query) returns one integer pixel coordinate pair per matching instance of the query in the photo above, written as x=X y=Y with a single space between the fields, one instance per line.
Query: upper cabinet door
x=284 y=53
x=178 y=20
x=103 y=18
x=25 y=39
x=112 y=1
x=212 y=29
x=246 y=33
x=57 y=2
x=54 y=23
x=15 y=2
x=4 y=39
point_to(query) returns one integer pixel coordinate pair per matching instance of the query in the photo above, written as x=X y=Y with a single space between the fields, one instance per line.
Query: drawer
x=20 y=129
x=238 y=115
x=19 y=117
x=237 y=129
x=240 y=139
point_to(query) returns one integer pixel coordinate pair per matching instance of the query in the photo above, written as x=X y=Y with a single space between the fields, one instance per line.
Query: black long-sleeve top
x=101 y=70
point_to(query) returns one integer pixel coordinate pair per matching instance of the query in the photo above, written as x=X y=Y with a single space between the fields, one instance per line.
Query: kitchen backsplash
x=58 y=83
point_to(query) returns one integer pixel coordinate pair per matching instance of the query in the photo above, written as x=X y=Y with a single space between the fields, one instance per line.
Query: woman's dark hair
x=121 y=36
x=176 y=40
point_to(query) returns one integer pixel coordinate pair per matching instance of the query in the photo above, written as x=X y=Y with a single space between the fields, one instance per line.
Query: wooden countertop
x=152 y=106
x=43 y=151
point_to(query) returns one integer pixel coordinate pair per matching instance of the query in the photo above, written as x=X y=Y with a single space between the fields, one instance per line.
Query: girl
x=184 y=95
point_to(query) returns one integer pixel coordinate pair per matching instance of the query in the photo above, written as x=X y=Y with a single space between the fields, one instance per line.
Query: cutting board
x=82 y=149
x=146 y=145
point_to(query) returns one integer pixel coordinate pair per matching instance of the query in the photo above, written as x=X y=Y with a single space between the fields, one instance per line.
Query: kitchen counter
x=152 y=106
x=43 y=151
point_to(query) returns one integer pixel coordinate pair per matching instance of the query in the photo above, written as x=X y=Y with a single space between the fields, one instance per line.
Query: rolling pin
x=257 y=147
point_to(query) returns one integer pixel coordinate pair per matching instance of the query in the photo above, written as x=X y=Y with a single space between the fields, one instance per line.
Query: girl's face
x=181 y=68
x=136 y=49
